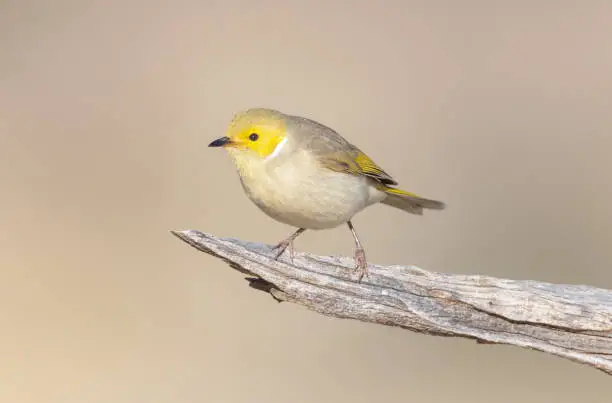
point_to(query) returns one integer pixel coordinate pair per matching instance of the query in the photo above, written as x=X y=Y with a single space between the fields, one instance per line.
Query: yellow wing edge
x=397 y=191
x=370 y=168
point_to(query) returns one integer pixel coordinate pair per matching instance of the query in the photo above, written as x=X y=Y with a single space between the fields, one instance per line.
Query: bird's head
x=254 y=136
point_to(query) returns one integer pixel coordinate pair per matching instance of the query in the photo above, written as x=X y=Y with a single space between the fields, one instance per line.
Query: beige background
x=106 y=109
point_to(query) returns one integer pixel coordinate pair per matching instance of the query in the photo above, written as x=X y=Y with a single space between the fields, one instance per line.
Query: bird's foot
x=361 y=265
x=282 y=246
x=288 y=243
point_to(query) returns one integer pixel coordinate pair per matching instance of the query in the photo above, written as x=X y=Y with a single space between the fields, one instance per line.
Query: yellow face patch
x=262 y=140
x=258 y=132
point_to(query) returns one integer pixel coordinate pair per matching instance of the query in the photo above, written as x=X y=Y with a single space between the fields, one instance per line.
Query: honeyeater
x=304 y=174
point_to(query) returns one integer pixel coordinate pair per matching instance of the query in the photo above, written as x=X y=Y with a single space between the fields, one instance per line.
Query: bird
x=304 y=174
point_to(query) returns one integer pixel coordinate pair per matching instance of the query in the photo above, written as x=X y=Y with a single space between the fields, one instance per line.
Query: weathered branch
x=570 y=321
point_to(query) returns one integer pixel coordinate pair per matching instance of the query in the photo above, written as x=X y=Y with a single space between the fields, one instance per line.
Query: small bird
x=304 y=174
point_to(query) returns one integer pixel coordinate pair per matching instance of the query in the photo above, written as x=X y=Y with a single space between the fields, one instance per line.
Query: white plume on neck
x=278 y=149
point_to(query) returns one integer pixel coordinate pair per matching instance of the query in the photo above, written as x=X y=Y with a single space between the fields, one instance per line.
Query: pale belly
x=309 y=198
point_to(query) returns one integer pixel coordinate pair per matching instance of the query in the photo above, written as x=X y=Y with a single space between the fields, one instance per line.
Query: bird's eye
x=253 y=136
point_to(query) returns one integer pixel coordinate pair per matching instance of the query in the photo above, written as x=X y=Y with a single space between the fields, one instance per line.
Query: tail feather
x=409 y=202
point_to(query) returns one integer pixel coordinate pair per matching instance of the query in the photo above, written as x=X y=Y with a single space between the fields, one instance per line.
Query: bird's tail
x=409 y=201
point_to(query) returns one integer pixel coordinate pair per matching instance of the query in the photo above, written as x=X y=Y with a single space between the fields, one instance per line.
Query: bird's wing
x=355 y=162
x=337 y=154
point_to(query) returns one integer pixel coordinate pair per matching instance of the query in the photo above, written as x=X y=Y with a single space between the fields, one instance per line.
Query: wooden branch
x=570 y=321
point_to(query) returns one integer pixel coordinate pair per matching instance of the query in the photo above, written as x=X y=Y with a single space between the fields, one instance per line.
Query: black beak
x=220 y=142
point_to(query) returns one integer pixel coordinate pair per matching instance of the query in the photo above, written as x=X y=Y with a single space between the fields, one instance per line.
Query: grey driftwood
x=571 y=321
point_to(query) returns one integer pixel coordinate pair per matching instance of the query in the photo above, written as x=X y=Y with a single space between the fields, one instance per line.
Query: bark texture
x=571 y=321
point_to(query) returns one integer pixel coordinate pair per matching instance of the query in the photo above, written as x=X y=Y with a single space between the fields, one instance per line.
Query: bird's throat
x=249 y=165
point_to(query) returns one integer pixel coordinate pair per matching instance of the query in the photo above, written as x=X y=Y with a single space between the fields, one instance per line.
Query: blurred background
x=500 y=109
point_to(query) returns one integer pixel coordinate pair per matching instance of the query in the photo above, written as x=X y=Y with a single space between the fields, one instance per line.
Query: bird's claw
x=361 y=265
x=282 y=246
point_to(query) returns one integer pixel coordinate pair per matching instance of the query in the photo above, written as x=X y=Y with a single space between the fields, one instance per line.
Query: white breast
x=301 y=193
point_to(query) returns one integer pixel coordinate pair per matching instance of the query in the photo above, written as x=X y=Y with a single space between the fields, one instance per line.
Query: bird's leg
x=287 y=242
x=361 y=265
